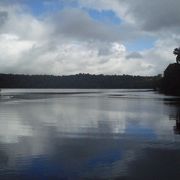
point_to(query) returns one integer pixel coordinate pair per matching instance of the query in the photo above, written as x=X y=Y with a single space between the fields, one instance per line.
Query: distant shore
x=78 y=81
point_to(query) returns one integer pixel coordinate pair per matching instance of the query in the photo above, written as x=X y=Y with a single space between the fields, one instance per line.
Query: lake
x=89 y=134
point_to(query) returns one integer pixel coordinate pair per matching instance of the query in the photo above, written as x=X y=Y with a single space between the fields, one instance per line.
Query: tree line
x=76 y=81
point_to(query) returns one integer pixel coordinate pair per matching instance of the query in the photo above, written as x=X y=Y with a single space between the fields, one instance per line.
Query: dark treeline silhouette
x=76 y=81
x=170 y=83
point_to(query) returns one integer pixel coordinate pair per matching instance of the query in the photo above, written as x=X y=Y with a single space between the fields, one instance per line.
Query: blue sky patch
x=105 y=16
x=140 y=44
x=37 y=7
x=41 y=7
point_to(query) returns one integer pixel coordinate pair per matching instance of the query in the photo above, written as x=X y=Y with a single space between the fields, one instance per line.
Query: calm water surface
x=89 y=134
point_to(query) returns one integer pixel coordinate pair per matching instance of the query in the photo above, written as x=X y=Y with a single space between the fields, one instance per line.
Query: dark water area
x=89 y=134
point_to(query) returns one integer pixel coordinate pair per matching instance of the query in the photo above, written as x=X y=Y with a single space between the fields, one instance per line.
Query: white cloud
x=70 y=41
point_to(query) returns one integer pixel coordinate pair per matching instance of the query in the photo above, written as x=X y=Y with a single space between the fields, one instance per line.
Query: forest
x=77 y=81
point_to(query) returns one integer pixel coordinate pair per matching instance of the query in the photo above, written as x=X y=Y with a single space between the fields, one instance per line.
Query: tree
x=177 y=53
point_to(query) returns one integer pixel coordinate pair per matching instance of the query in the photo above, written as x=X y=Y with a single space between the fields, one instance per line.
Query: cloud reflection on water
x=74 y=136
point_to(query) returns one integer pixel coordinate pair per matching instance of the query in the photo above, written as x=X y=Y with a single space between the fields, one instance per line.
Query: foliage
x=76 y=81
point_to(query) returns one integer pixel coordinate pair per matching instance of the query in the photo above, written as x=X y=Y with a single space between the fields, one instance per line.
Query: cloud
x=77 y=24
x=70 y=41
x=3 y=17
x=154 y=15
x=134 y=55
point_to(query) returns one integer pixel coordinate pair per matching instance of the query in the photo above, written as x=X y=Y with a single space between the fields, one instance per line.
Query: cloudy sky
x=88 y=36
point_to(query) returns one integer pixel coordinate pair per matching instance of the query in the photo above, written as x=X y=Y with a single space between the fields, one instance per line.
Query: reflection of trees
x=176 y=116
x=177 y=127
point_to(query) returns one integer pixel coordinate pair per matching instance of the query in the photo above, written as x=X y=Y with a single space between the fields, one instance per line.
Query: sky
x=62 y=37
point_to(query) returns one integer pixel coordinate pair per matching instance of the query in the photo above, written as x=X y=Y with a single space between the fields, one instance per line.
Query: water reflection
x=177 y=127
x=89 y=137
x=175 y=115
